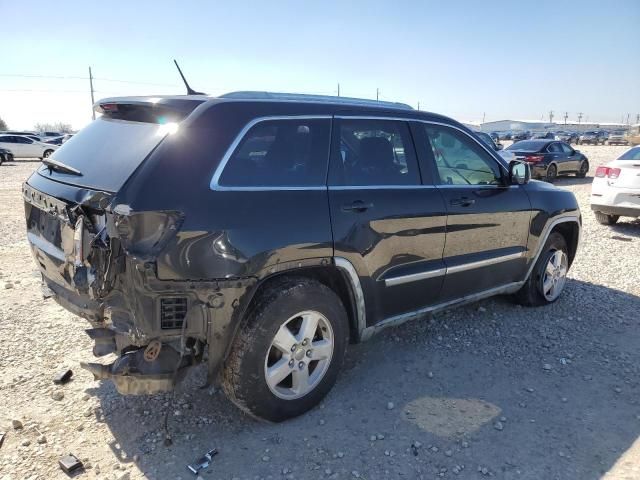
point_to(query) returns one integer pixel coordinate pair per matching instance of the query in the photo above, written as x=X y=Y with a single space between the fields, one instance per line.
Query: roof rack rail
x=300 y=97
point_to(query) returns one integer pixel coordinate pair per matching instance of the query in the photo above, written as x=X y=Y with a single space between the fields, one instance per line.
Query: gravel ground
x=489 y=390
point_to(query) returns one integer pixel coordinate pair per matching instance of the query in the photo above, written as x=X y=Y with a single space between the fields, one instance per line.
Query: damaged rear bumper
x=99 y=262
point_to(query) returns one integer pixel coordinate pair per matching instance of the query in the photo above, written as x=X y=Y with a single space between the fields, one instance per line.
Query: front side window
x=460 y=160
x=375 y=152
x=280 y=153
x=566 y=148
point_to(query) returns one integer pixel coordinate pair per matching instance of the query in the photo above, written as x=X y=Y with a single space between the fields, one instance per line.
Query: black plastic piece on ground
x=2 y=434
x=62 y=377
x=69 y=464
x=203 y=462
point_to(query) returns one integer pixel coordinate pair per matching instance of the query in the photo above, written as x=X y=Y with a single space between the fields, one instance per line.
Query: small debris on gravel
x=498 y=426
x=42 y=439
x=57 y=395
x=16 y=424
x=390 y=406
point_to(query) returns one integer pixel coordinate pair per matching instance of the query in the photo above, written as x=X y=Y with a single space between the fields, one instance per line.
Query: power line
x=73 y=77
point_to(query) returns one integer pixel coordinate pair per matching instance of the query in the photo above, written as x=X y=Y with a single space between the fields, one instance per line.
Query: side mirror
x=519 y=172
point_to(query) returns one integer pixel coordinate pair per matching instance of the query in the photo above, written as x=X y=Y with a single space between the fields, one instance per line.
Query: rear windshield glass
x=526 y=146
x=106 y=152
x=633 y=154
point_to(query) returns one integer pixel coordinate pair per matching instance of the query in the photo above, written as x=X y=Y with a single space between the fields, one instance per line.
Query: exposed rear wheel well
x=329 y=276
x=571 y=233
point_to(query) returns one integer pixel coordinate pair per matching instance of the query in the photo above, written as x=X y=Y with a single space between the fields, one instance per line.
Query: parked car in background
x=5 y=155
x=543 y=135
x=295 y=227
x=67 y=137
x=593 y=137
x=23 y=147
x=518 y=136
x=505 y=135
x=18 y=132
x=618 y=137
x=566 y=136
x=55 y=141
x=497 y=146
x=50 y=134
x=615 y=191
x=550 y=158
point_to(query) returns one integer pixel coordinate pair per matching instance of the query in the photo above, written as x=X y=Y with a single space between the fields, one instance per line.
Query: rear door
x=488 y=219
x=388 y=224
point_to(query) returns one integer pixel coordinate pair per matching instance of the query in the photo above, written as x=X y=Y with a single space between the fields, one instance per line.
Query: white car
x=24 y=147
x=615 y=191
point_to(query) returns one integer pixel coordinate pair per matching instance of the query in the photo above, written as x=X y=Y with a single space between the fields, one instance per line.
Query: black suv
x=260 y=233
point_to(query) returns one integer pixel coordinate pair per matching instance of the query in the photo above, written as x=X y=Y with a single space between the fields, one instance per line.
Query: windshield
x=526 y=146
x=633 y=154
x=106 y=152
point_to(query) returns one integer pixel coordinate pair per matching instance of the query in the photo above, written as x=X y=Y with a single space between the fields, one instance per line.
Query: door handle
x=357 y=206
x=462 y=202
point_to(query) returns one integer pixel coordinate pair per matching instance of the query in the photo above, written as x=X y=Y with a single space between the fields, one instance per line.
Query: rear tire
x=584 y=169
x=605 y=219
x=535 y=292
x=271 y=343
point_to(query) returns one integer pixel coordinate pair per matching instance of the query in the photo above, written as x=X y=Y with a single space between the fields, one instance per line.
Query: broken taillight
x=145 y=233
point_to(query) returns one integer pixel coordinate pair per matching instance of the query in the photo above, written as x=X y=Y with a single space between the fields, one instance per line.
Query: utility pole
x=338 y=88
x=550 y=116
x=377 y=94
x=579 y=120
x=566 y=115
x=418 y=105
x=627 y=119
x=637 y=117
x=484 y=114
x=93 y=112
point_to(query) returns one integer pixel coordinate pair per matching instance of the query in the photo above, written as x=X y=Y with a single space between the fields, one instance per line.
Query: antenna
x=190 y=91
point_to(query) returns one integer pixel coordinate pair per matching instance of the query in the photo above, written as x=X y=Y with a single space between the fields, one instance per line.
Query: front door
x=488 y=220
x=388 y=224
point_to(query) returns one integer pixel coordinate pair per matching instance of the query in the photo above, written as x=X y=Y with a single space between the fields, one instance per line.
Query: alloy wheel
x=299 y=355
x=555 y=275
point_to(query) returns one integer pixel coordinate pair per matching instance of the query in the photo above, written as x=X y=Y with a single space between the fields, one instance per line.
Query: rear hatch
x=72 y=226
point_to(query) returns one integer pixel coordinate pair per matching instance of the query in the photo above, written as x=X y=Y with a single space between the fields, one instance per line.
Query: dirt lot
x=490 y=390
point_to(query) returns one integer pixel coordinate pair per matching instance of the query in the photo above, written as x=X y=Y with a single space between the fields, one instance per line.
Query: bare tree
x=3 y=124
x=53 y=127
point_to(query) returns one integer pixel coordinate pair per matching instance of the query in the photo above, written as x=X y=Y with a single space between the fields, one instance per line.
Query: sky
x=466 y=59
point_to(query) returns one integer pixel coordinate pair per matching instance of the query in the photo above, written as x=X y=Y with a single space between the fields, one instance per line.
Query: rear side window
x=375 y=152
x=460 y=160
x=633 y=154
x=280 y=153
x=554 y=148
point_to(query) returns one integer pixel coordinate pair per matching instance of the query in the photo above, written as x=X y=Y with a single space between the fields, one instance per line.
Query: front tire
x=287 y=356
x=584 y=169
x=549 y=275
x=552 y=173
x=605 y=219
